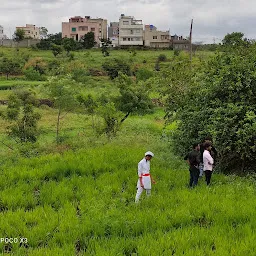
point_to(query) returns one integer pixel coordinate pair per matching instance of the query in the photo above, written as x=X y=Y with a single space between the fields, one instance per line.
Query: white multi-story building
x=130 y=31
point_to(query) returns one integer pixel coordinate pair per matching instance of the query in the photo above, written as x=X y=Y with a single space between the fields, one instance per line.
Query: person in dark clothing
x=213 y=153
x=193 y=159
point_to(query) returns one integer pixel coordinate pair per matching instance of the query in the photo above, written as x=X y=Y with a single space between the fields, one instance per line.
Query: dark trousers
x=194 y=176
x=208 y=175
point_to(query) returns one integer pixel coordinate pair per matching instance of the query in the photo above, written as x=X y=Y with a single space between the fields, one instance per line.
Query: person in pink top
x=208 y=162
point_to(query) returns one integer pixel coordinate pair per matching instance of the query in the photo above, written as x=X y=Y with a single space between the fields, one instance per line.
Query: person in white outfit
x=208 y=162
x=145 y=179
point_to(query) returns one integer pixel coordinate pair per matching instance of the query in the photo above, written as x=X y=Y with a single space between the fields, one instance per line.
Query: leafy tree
x=105 y=46
x=56 y=49
x=19 y=35
x=61 y=92
x=46 y=44
x=134 y=98
x=70 y=44
x=234 y=39
x=111 y=119
x=90 y=105
x=10 y=66
x=220 y=100
x=88 y=40
x=22 y=116
x=43 y=31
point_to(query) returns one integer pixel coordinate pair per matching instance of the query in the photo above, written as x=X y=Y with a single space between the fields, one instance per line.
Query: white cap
x=149 y=153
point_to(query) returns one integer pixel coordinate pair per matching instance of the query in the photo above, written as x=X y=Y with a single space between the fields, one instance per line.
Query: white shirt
x=208 y=160
x=143 y=167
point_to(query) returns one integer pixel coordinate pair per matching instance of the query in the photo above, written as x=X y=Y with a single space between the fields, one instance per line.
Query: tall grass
x=84 y=202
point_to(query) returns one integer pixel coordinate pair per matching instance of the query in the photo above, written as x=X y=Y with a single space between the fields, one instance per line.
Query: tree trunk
x=58 y=126
x=123 y=119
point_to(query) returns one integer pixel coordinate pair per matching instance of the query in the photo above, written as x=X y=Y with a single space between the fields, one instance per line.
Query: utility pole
x=190 y=39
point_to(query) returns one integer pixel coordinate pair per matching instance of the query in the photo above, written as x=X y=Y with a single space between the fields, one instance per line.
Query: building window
x=83 y=28
x=124 y=39
x=154 y=37
x=131 y=32
x=129 y=39
x=92 y=29
x=73 y=29
x=125 y=22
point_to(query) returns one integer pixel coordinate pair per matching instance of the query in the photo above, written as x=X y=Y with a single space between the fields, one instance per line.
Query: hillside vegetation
x=74 y=127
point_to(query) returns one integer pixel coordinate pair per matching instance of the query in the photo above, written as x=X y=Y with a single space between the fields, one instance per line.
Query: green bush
x=162 y=57
x=144 y=74
x=115 y=66
x=80 y=75
x=220 y=101
x=33 y=75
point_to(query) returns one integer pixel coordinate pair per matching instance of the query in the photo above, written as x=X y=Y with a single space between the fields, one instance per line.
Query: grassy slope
x=85 y=200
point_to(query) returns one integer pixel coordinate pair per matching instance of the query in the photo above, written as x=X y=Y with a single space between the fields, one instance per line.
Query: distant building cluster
x=128 y=31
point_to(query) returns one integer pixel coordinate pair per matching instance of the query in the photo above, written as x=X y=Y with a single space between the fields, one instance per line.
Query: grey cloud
x=211 y=18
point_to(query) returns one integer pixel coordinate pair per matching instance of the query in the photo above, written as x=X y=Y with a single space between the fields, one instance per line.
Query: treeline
x=215 y=98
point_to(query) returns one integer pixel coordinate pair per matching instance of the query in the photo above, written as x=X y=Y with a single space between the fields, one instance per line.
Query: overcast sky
x=212 y=18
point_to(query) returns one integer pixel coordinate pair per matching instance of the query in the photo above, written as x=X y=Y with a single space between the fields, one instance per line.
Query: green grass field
x=77 y=197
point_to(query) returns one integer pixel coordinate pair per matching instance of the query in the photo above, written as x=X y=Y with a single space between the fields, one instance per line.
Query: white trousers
x=139 y=192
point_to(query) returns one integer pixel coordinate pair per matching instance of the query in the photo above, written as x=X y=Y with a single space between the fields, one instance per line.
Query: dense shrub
x=33 y=75
x=115 y=66
x=37 y=64
x=220 y=101
x=143 y=74
x=162 y=57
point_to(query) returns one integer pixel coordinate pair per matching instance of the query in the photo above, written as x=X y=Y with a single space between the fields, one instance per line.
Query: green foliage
x=88 y=40
x=10 y=66
x=111 y=119
x=88 y=102
x=162 y=57
x=62 y=92
x=176 y=52
x=43 y=31
x=143 y=74
x=234 y=39
x=20 y=113
x=56 y=49
x=46 y=43
x=19 y=35
x=115 y=66
x=80 y=75
x=219 y=101
x=134 y=98
x=69 y=44
x=33 y=75
x=105 y=45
